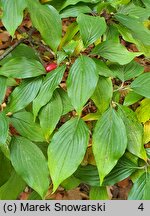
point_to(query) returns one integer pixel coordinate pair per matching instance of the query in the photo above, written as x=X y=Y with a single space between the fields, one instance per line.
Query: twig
x=36 y=52
x=121 y=87
x=9 y=50
x=44 y=46
x=31 y=41
x=38 y=43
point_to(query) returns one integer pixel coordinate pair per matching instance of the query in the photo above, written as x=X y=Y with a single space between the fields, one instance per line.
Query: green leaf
x=135 y=11
x=24 y=94
x=112 y=33
x=142 y=111
x=11 y=82
x=91 y=28
x=103 y=94
x=138 y=3
x=22 y=67
x=50 y=83
x=5 y=147
x=74 y=2
x=127 y=72
x=134 y=132
x=141 y=85
x=98 y=193
x=5 y=169
x=74 y=11
x=25 y=125
x=24 y=50
x=136 y=27
x=49 y=24
x=57 y=4
x=146 y=138
x=126 y=165
x=61 y=56
x=127 y=36
x=70 y=183
x=12 y=14
x=50 y=114
x=92 y=116
x=148 y=152
x=114 y=52
x=4 y=127
x=81 y=81
x=3 y=86
x=102 y=68
x=30 y=163
x=88 y=174
x=71 y=31
x=116 y=96
x=115 y=3
x=131 y=98
x=109 y=141
x=102 y=5
x=140 y=189
x=67 y=149
x=146 y=3
x=70 y=47
x=66 y=102
x=12 y=188
x=136 y=175
x=34 y=196
x=146 y=195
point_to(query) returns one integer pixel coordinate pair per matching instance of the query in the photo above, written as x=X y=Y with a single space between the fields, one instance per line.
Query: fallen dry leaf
x=4 y=36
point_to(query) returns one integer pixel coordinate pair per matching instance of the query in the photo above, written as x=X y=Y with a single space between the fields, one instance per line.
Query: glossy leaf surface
x=109 y=141
x=67 y=149
x=30 y=163
x=81 y=81
x=50 y=83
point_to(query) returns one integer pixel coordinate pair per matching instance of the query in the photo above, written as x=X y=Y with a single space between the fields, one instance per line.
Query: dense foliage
x=86 y=117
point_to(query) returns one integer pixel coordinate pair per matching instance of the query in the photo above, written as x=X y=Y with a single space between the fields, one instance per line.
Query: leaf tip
x=101 y=179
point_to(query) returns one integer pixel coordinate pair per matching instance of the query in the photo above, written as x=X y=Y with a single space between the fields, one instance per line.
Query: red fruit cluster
x=50 y=67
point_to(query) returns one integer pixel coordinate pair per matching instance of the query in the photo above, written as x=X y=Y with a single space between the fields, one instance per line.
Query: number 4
x=141 y=207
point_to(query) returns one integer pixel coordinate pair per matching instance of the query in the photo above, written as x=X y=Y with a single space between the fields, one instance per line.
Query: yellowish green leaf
x=143 y=111
x=146 y=138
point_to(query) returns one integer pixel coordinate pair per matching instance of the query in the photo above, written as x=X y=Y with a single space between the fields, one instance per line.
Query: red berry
x=50 y=67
